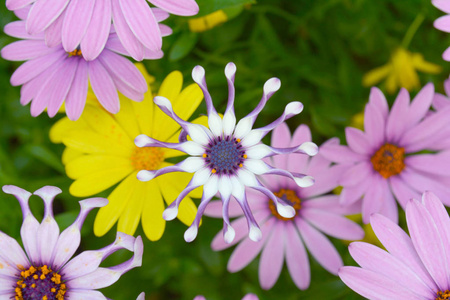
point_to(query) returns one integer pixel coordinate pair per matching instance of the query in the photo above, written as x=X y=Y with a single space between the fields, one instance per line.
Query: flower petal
x=272 y=257
x=177 y=7
x=103 y=87
x=76 y=21
x=43 y=13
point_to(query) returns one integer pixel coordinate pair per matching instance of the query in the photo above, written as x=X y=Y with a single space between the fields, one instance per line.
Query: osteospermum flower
x=51 y=75
x=46 y=270
x=393 y=156
x=225 y=157
x=411 y=268
x=441 y=102
x=401 y=71
x=246 y=297
x=443 y=23
x=100 y=150
x=285 y=238
x=87 y=24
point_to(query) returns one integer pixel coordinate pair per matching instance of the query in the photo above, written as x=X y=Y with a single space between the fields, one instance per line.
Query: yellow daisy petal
x=118 y=199
x=374 y=76
x=94 y=183
x=143 y=112
x=391 y=83
x=131 y=215
x=207 y=22
x=152 y=220
x=87 y=164
x=420 y=64
x=171 y=85
x=70 y=154
x=148 y=78
x=62 y=126
x=188 y=101
x=127 y=119
x=187 y=211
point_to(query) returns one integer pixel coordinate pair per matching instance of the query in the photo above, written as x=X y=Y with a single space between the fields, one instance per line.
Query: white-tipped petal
x=310 y=148
x=215 y=124
x=145 y=175
x=247 y=178
x=201 y=176
x=285 y=211
x=229 y=234
x=163 y=101
x=252 y=138
x=192 y=148
x=272 y=85
x=191 y=233
x=142 y=140
x=228 y=123
x=198 y=73
x=243 y=127
x=305 y=181
x=230 y=70
x=170 y=213
x=141 y=296
x=192 y=164
x=293 y=108
x=255 y=233
x=258 y=151
x=198 y=134
x=211 y=187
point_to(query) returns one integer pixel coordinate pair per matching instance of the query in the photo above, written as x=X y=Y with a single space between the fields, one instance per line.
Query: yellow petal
x=143 y=112
x=88 y=164
x=152 y=220
x=424 y=66
x=127 y=119
x=94 y=183
x=88 y=141
x=187 y=211
x=391 y=83
x=404 y=70
x=70 y=154
x=131 y=215
x=148 y=78
x=118 y=199
x=374 y=76
x=62 y=126
x=187 y=101
x=207 y=22
x=171 y=85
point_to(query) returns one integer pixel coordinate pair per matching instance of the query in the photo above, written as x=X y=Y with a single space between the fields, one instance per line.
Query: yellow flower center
x=147 y=158
x=443 y=295
x=39 y=283
x=288 y=196
x=76 y=52
x=389 y=160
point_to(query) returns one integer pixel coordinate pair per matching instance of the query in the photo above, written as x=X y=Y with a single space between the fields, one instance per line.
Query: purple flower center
x=39 y=283
x=225 y=156
x=289 y=197
x=443 y=295
x=388 y=160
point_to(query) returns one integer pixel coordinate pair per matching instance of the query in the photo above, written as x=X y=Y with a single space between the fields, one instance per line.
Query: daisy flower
x=246 y=297
x=225 y=157
x=100 y=149
x=443 y=23
x=87 y=24
x=412 y=268
x=45 y=270
x=393 y=157
x=285 y=238
x=441 y=102
x=51 y=75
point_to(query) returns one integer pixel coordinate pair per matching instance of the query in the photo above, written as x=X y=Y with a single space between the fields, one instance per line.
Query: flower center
x=147 y=158
x=39 y=283
x=388 y=160
x=443 y=295
x=225 y=156
x=288 y=196
x=76 y=52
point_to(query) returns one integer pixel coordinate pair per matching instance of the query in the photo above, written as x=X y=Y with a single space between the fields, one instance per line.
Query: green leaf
x=183 y=45
x=209 y=6
x=46 y=156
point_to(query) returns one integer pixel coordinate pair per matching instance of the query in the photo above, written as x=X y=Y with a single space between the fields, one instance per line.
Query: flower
x=100 y=149
x=285 y=238
x=207 y=22
x=411 y=268
x=52 y=75
x=45 y=270
x=394 y=156
x=249 y=296
x=401 y=71
x=442 y=23
x=87 y=25
x=225 y=157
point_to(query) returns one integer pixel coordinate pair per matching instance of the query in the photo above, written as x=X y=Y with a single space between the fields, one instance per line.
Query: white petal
x=145 y=175
x=225 y=186
x=192 y=164
x=310 y=148
x=243 y=127
x=198 y=73
x=190 y=234
x=272 y=85
x=229 y=122
x=198 y=134
x=200 y=177
x=192 y=148
x=256 y=166
x=142 y=140
x=215 y=124
x=211 y=187
x=252 y=138
x=238 y=190
x=230 y=70
x=254 y=233
x=247 y=178
x=293 y=108
x=258 y=151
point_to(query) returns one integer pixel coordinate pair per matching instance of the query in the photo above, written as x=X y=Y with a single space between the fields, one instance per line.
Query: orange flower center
x=290 y=197
x=39 y=283
x=76 y=52
x=443 y=295
x=389 y=160
x=147 y=158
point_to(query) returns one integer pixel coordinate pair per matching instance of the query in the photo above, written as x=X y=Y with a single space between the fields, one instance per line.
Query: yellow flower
x=100 y=152
x=207 y=22
x=401 y=71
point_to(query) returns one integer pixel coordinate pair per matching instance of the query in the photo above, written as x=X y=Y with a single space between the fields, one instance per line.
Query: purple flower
x=226 y=156
x=411 y=268
x=51 y=75
x=285 y=238
x=246 y=297
x=441 y=102
x=443 y=23
x=87 y=24
x=394 y=156
x=45 y=270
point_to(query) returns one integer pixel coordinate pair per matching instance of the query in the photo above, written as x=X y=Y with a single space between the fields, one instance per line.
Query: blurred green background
x=319 y=49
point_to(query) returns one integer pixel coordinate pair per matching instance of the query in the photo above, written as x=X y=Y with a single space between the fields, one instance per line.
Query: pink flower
x=285 y=238
x=387 y=159
x=443 y=23
x=441 y=102
x=87 y=24
x=46 y=270
x=51 y=75
x=246 y=297
x=411 y=268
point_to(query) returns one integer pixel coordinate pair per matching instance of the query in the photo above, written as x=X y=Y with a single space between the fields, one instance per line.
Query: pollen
x=205 y=155
x=147 y=158
x=443 y=295
x=289 y=197
x=36 y=283
x=76 y=52
x=389 y=160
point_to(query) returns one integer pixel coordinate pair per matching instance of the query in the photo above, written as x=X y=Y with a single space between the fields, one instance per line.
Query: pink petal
x=272 y=257
x=160 y=15
x=396 y=125
x=389 y=207
x=325 y=182
x=165 y=31
x=25 y=50
x=281 y=138
x=440 y=101
x=103 y=86
x=53 y=34
x=350 y=195
x=17 y=4
x=378 y=100
x=30 y=89
x=76 y=98
x=420 y=105
x=177 y=7
x=297 y=162
x=374 y=198
x=446 y=54
x=296 y=258
x=22 y=13
x=374 y=125
x=97 y=33
x=142 y=23
x=320 y=247
x=214 y=209
x=340 y=154
x=329 y=203
x=443 y=5
x=76 y=21
x=430 y=163
x=358 y=141
x=17 y=29
x=355 y=174
x=43 y=13
x=422 y=182
x=78 y=294
x=402 y=191
x=443 y=23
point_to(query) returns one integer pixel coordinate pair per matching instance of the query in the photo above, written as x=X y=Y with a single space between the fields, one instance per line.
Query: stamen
x=37 y=283
x=147 y=158
x=76 y=52
x=443 y=295
x=288 y=196
x=389 y=160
